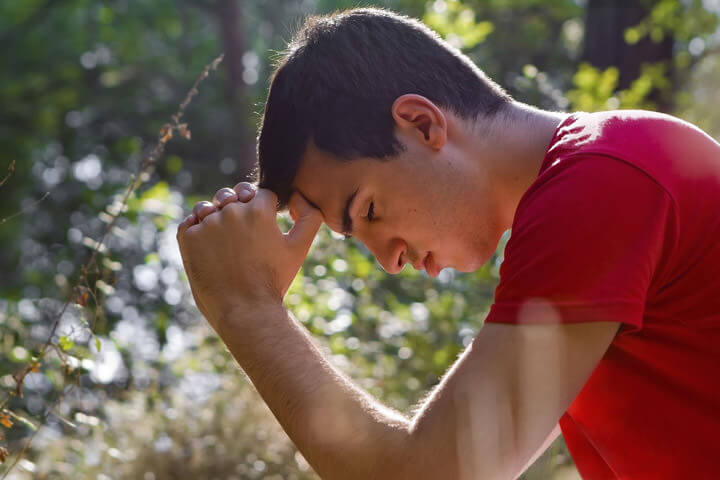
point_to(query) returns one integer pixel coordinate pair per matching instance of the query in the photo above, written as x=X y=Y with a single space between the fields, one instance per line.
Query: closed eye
x=370 y=214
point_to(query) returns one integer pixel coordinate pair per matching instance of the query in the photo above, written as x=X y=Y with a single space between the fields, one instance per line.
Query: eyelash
x=370 y=214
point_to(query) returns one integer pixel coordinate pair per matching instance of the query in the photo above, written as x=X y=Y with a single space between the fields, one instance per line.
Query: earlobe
x=418 y=115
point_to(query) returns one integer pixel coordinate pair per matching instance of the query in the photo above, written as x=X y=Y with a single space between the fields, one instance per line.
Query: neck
x=513 y=149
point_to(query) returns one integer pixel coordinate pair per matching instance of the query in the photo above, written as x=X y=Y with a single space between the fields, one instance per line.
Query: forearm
x=341 y=430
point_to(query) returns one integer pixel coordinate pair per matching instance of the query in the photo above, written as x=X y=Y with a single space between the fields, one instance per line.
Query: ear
x=419 y=116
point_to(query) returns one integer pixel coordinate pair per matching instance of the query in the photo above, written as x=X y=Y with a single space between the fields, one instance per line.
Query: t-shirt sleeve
x=588 y=240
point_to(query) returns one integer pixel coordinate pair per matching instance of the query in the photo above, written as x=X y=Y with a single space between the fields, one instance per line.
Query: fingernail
x=245 y=194
x=223 y=194
x=244 y=186
x=200 y=206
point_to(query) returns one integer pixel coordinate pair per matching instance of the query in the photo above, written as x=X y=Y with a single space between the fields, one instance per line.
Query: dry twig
x=11 y=169
x=81 y=290
x=6 y=219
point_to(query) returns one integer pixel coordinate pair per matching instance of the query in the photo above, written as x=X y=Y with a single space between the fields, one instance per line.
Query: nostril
x=400 y=260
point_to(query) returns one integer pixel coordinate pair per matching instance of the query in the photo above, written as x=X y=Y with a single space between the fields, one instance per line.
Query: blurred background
x=135 y=384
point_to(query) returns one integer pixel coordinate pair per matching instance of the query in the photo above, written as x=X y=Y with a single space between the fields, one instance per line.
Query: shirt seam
x=610 y=154
x=673 y=201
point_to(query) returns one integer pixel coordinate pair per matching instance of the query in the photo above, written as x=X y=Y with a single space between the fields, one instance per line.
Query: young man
x=606 y=321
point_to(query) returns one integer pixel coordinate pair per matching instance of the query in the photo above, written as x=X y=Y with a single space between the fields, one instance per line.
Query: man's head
x=374 y=106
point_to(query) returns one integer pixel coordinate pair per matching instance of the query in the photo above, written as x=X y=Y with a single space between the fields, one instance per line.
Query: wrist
x=246 y=314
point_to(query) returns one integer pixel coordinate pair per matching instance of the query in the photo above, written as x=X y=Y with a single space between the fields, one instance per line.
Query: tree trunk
x=233 y=36
x=233 y=41
x=605 y=46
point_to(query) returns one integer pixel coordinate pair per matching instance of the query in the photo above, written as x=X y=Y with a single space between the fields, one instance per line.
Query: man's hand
x=236 y=257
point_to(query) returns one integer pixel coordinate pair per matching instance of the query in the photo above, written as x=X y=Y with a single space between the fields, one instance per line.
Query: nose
x=392 y=256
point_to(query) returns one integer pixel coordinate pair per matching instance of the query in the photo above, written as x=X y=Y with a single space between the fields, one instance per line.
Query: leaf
x=3 y=454
x=24 y=421
x=94 y=244
x=5 y=420
x=82 y=295
x=159 y=191
x=97 y=344
x=111 y=264
x=166 y=133
x=65 y=343
x=184 y=131
x=105 y=287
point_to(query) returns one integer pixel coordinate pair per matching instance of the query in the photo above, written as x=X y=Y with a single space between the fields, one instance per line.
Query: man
x=606 y=321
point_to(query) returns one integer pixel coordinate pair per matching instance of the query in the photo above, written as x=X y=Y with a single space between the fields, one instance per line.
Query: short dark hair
x=338 y=79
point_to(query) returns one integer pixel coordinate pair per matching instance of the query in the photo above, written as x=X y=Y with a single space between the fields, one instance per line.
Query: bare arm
x=548 y=441
x=486 y=419
x=493 y=412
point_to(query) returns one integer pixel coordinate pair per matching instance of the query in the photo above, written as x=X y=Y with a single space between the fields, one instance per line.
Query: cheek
x=417 y=221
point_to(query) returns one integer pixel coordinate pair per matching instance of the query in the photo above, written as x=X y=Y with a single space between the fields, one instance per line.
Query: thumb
x=307 y=222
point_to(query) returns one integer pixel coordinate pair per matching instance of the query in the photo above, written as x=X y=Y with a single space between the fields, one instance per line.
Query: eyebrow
x=347 y=223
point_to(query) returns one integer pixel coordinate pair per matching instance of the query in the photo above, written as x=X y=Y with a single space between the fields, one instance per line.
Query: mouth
x=420 y=263
x=428 y=265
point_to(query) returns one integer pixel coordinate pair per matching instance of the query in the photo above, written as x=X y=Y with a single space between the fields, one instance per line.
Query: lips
x=427 y=263
x=419 y=264
x=430 y=267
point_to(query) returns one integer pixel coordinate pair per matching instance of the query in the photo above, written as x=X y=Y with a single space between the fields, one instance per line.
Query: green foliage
x=684 y=20
x=596 y=89
x=65 y=343
x=593 y=88
x=692 y=27
x=457 y=24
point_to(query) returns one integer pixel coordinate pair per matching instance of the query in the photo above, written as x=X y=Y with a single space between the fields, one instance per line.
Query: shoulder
x=598 y=130
x=654 y=142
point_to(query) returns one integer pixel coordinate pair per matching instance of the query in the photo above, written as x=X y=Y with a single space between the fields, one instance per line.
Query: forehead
x=326 y=182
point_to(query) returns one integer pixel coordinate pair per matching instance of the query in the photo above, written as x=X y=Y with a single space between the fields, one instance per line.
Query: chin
x=466 y=267
x=473 y=264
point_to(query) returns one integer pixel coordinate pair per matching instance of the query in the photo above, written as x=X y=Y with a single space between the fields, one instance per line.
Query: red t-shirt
x=623 y=224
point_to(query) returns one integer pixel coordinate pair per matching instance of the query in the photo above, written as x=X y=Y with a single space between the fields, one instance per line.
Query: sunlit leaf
x=166 y=133
x=184 y=131
x=65 y=343
x=5 y=420
x=25 y=421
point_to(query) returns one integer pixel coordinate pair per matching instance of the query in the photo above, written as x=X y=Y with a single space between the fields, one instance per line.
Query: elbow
x=407 y=459
x=377 y=454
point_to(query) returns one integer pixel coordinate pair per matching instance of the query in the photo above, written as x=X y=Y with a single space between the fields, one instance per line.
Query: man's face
x=427 y=208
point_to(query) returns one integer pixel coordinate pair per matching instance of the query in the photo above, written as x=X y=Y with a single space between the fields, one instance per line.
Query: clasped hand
x=235 y=255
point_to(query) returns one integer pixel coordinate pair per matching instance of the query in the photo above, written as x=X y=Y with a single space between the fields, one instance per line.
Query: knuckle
x=244 y=186
x=223 y=193
x=245 y=191
x=233 y=209
x=212 y=221
x=234 y=212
